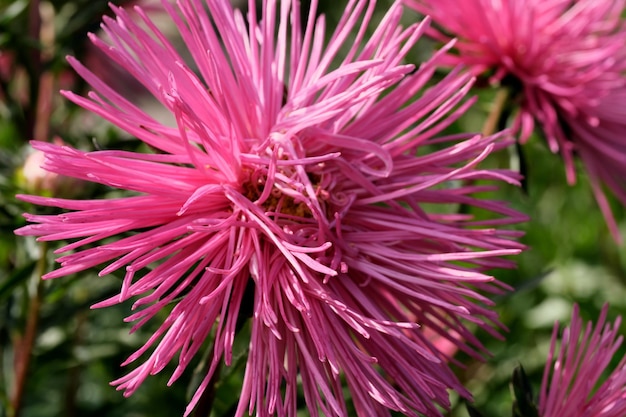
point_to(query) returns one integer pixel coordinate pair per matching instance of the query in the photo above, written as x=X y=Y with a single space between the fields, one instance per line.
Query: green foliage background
x=76 y=351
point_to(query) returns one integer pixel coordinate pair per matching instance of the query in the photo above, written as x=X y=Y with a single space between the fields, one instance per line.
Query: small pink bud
x=37 y=180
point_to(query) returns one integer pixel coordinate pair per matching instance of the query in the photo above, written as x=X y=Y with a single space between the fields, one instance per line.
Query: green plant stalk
x=499 y=113
x=496 y=121
x=24 y=345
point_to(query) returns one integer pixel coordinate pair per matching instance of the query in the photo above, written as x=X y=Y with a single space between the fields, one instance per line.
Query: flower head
x=568 y=60
x=568 y=386
x=293 y=184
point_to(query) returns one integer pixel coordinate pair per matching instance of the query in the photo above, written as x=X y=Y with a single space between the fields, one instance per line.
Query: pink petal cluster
x=309 y=186
x=569 y=383
x=567 y=59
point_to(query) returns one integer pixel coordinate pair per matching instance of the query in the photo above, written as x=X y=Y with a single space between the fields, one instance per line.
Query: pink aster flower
x=293 y=184
x=569 y=384
x=567 y=58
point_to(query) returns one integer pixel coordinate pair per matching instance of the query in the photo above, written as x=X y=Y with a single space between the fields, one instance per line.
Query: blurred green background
x=76 y=351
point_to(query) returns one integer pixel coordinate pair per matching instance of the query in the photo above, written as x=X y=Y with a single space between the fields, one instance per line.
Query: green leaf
x=523 y=166
x=15 y=279
x=11 y=11
x=472 y=411
x=523 y=404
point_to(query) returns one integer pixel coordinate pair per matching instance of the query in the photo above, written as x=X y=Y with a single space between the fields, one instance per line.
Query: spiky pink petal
x=568 y=59
x=572 y=373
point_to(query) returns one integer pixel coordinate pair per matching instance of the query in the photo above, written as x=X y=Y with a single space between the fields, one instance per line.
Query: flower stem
x=24 y=346
x=496 y=120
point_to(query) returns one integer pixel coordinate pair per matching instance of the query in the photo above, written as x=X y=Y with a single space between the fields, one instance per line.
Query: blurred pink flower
x=568 y=59
x=447 y=346
x=34 y=179
x=6 y=65
x=569 y=384
x=292 y=185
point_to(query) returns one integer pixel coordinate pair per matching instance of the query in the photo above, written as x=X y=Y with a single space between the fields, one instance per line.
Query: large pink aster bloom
x=568 y=59
x=570 y=379
x=292 y=185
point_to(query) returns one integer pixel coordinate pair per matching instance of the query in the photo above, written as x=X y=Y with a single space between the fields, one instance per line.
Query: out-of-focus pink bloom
x=447 y=346
x=569 y=383
x=36 y=180
x=567 y=58
x=6 y=64
x=293 y=185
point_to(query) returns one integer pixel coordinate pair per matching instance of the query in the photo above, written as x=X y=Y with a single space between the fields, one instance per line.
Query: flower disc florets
x=286 y=194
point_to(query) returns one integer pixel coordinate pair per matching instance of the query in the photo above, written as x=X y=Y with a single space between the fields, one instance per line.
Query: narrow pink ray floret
x=572 y=373
x=567 y=59
x=292 y=185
